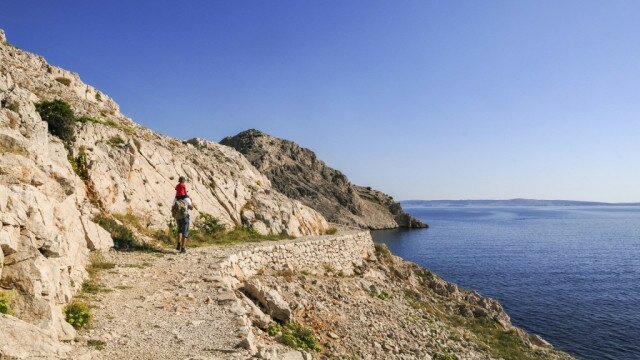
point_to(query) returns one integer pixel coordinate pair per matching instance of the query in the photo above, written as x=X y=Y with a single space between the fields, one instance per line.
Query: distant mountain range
x=510 y=202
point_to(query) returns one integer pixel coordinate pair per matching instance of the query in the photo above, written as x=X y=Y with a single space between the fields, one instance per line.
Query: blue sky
x=420 y=99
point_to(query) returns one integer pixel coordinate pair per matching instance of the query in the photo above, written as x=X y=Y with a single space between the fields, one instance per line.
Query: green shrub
x=298 y=337
x=444 y=356
x=5 y=301
x=98 y=96
x=77 y=314
x=383 y=295
x=97 y=344
x=274 y=330
x=209 y=225
x=79 y=163
x=331 y=231
x=59 y=116
x=115 y=141
x=92 y=286
x=123 y=238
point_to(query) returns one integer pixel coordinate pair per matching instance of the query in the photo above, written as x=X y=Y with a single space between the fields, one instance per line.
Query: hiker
x=181 y=188
x=180 y=212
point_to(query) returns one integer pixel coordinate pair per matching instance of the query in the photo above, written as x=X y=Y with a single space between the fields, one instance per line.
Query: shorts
x=183 y=226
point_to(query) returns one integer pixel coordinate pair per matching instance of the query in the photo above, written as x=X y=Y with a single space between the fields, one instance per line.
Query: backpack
x=179 y=210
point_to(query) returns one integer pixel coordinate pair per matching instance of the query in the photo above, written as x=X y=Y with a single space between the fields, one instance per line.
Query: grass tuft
x=78 y=314
x=123 y=238
x=5 y=302
x=295 y=335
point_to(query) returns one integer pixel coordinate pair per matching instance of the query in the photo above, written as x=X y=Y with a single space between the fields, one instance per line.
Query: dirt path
x=164 y=306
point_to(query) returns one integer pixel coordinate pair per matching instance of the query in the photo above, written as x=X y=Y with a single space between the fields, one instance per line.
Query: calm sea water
x=570 y=274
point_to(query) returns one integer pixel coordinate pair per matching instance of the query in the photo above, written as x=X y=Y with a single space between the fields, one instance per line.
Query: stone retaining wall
x=337 y=252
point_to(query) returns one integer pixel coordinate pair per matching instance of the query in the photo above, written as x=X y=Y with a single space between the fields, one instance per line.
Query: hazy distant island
x=510 y=202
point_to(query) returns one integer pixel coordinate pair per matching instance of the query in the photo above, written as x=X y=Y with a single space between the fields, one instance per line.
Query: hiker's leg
x=179 y=240
x=185 y=233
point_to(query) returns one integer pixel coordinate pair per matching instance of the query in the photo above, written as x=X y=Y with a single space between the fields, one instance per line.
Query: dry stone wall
x=339 y=253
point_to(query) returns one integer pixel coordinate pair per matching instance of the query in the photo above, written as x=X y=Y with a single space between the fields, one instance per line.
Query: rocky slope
x=299 y=174
x=47 y=207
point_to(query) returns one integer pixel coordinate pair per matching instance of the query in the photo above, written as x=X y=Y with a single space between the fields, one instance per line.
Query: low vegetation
x=116 y=141
x=61 y=120
x=295 y=335
x=5 y=302
x=383 y=252
x=331 y=231
x=207 y=230
x=123 y=238
x=78 y=314
x=79 y=163
x=493 y=337
x=92 y=284
x=97 y=344
x=444 y=356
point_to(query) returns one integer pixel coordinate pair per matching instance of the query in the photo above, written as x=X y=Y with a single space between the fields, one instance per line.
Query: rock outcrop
x=48 y=203
x=299 y=174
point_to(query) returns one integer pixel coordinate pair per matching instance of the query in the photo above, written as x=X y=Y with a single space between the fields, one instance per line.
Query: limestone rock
x=272 y=301
x=299 y=174
x=40 y=344
x=97 y=237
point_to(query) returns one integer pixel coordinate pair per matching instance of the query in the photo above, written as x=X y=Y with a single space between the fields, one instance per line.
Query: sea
x=569 y=274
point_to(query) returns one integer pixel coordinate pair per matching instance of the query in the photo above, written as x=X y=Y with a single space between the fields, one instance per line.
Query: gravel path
x=164 y=306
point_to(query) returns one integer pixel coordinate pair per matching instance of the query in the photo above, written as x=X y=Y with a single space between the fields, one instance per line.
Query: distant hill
x=299 y=174
x=510 y=202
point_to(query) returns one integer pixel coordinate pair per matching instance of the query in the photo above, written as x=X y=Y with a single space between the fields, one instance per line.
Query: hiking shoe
x=178 y=246
x=182 y=250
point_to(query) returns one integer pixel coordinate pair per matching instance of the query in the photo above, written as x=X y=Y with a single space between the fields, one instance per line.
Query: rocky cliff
x=50 y=191
x=298 y=173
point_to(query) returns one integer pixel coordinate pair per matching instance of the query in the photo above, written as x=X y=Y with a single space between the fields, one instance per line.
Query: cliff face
x=299 y=174
x=47 y=206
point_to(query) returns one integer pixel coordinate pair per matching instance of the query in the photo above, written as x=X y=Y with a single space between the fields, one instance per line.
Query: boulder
x=21 y=340
x=270 y=299
x=97 y=237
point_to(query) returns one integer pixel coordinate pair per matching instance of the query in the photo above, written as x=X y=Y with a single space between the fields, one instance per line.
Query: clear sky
x=420 y=99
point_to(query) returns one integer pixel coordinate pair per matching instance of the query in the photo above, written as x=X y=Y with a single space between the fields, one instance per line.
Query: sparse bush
x=209 y=225
x=5 y=302
x=98 y=96
x=59 y=116
x=444 y=356
x=79 y=163
x=331 y=231
x=92 y=286
x=97 y=344
x=85 y=119
x=64 y=81
x=115 y=141
x=123 y=238
x=274 y=330
x=78 y=314
x=383 y=252
x=298 y=337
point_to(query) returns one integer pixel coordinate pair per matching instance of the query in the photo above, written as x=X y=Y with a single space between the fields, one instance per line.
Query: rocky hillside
x=298 y=173
x=51 y=191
